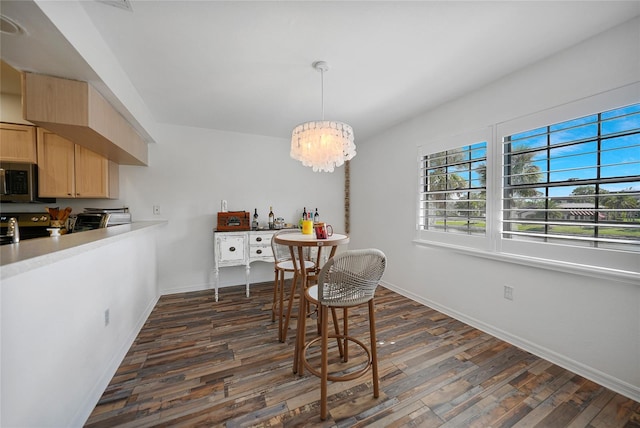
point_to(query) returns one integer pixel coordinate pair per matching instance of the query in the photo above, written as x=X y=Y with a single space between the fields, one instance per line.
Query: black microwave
x=19 y=183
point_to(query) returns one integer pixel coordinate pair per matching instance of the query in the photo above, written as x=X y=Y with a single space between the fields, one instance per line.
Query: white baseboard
x=187 y=289
x=604 y=379
x=203 y=287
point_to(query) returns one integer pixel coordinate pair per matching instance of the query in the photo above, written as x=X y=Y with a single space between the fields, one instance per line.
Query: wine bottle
x=304 y=214
x=316 y=216
x=271 y=218
x=254 y=224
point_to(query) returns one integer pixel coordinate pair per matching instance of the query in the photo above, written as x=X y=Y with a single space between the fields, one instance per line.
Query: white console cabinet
x=241 y=249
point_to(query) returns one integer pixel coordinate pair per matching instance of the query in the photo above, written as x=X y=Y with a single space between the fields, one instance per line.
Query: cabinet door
x=56 y=166
x=18 y=143
x=230 y=248
x=67 y=170
x=94 y=175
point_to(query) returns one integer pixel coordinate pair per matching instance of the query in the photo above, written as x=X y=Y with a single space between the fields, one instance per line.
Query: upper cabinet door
x=67 y=170
x=93 y=175
x=56 y=166
x=18 y=143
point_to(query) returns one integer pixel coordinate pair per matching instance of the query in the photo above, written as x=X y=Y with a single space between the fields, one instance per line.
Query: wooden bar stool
x=282 y=265
x=347 y=280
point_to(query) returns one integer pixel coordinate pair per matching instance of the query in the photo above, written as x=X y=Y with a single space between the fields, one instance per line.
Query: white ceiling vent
x=122 y=4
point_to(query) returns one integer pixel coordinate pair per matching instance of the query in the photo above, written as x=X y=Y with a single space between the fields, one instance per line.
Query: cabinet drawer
x=260 y=251
x=260 y=238
x=231 y=248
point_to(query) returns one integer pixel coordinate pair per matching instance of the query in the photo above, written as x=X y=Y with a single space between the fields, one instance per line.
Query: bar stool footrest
x=342 y=378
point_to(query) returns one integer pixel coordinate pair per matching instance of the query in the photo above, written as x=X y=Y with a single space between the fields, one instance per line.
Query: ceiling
x=245 y=66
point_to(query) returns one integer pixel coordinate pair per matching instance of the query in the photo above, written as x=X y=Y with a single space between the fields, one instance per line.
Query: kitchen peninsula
x=24 y=256
x=66 y=298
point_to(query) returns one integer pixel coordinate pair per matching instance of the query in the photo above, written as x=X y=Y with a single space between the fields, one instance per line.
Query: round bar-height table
x=299 y=241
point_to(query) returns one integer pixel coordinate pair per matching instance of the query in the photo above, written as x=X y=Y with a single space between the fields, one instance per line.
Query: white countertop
x=33 y=253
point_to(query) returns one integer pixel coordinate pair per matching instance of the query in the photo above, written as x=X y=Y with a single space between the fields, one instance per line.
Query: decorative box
x=233 y=220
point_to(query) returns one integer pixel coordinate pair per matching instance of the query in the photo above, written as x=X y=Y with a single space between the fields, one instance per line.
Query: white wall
x=57 y=354
x=589 y=325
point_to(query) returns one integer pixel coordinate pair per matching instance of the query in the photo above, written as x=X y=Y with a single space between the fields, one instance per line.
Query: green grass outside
x=583 y=231
x=558 y=230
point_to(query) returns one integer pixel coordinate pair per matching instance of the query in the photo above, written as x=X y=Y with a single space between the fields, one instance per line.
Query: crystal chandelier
x=323 y=144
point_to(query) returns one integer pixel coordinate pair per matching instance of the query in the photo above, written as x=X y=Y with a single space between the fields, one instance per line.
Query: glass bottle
x=271 y=218
x=316 y=216
x=254 y=224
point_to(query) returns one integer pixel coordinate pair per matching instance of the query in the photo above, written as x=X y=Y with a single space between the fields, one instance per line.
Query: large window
x=575 y=182
x=453 y=190
x=559 y=188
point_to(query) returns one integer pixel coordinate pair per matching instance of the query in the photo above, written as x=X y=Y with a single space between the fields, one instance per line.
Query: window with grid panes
x=575 y=182
x=453 y=190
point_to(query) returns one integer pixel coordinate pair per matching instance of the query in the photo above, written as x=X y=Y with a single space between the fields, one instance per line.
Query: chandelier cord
x=322 y=90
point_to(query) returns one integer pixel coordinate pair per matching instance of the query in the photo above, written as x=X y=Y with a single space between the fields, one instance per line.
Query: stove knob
x=35 y=219
x=44 y=218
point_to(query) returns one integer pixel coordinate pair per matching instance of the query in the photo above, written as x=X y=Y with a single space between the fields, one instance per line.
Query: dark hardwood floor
x=201 y=363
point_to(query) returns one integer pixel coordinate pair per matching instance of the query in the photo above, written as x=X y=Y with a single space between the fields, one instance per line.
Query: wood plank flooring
x=201 y=363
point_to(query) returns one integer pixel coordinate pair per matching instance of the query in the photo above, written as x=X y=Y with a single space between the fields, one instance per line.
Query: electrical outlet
x=156 y=210
x=508 y=292
x=106 y=317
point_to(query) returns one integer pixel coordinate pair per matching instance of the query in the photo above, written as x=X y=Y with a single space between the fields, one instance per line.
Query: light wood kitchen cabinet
x=67 y=170
x=18 y=143
x=77 y=111
x=56 y=166
x=96 y=176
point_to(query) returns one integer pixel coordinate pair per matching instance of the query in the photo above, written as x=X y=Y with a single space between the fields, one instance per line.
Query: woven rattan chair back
x=281 y=252
x=351 y=278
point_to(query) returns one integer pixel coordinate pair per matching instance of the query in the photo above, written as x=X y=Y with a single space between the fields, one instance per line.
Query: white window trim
x=464 y=139
x=592 y=262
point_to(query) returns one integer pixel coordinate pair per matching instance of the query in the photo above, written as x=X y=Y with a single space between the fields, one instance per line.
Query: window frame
x=449 y=143
x=598 y=262
x=536 y=203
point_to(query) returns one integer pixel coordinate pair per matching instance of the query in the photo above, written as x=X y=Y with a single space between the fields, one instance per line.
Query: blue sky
x=619 y=156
